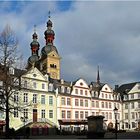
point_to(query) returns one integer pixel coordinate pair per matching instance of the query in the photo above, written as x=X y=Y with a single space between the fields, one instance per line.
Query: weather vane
x=34 y=28
x=49 y=14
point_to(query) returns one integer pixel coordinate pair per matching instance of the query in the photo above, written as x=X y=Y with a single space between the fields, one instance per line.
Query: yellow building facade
x=38 y=105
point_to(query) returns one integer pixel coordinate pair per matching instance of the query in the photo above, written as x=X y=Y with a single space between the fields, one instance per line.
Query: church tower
x=50 y=59
x=33 y=59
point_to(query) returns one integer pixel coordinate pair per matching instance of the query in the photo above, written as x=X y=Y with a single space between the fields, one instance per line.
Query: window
x=63 y=114
x=114 y=105
x=16 y=82
x=86 y=92
x=126 y=116
x=68 y=89
x=25 y=84
x=81 y=92
x=126 y=125
x=97 y=104
x=15 y=112
x=1 y=83
x=106 y=96
x=25 y=113
x=126 y=105
x=62 y=89
x=138 y=114
x=76 y=115
x=110 y=106
x=34 y=84
x=11 y=70
x=132 y=115
x=106 y=115
x=106 y=104
x=86 y=114
x=133 y=124
x=139 y=96
x=86 y=103
x=93 y=104
x=16 y=97
x=63 y=101
x=50 y=87
x=102 y=95
x=50 y=113
x=118 y=106
x=76 y=91
x=103 y=113
x=110 y=115
x=81 y=114
x=118 y=116
x=132 y=96
x=25 y=97
x=43 y=113
x=97 y=113
x=43 y=86
x=102 y=104
x=125 y=97
x=76 y=102
x=132 y=105
x=50 y=100
x=68 y=101
x=138 y=104
x=93 y=113
x=109 y=96
x=42 y=99
x=81 y=102
x=68 y=114
x=34 y=98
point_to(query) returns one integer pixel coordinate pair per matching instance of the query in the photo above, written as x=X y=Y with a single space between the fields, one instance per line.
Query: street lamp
x=24 y=120
x=115 y=113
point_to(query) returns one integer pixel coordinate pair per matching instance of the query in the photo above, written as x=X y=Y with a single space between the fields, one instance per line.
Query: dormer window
x=50 y=87
x=68 y=90
x=62 y=89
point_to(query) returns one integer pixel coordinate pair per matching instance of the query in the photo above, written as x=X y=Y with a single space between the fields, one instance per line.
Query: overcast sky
x=87 y=34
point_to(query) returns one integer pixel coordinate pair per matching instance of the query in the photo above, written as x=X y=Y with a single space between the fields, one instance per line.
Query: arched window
x=102 y=104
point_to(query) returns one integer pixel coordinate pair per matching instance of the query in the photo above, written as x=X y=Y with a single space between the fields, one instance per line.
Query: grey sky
x=87 y=34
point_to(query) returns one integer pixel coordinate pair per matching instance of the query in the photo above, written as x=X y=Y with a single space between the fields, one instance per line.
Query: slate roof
x=125 y=88
x=96 y=86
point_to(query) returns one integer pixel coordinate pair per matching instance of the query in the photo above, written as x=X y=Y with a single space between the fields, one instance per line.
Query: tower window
x=52 y=65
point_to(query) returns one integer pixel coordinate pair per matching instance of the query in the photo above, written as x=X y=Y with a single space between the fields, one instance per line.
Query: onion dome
x=49 y=33
x=33 y=59
x=47 y=49
x=34 y=44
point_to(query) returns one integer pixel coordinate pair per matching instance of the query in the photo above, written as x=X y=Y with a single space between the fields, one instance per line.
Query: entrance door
x=34 y=115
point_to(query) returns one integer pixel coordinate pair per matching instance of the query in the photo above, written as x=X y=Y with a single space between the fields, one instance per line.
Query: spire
x=34 y=28
x=49 y=33
x=34 y=44
x=49 y=14
x=98 y=76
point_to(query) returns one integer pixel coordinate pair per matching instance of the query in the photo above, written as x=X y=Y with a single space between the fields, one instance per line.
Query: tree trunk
x=7 y=119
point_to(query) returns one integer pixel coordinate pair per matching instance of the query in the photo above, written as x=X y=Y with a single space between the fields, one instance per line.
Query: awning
x=72 y=122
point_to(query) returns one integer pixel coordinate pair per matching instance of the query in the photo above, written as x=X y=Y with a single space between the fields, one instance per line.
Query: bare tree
x=9 y=56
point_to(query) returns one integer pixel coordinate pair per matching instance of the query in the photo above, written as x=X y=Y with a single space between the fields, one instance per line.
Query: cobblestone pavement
x=123 y=135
